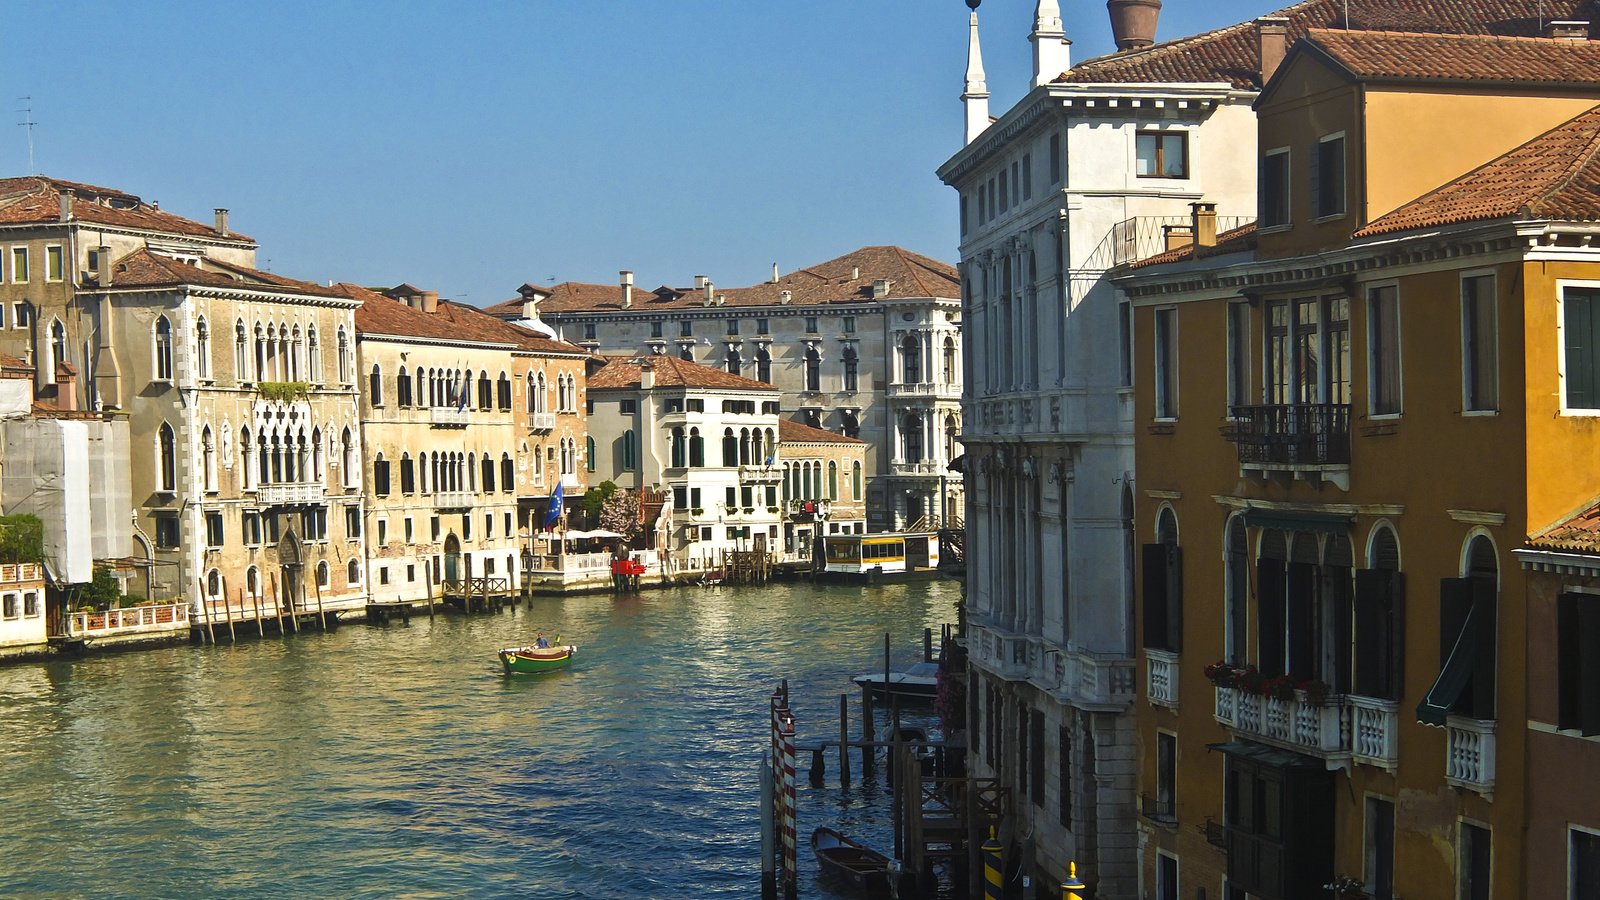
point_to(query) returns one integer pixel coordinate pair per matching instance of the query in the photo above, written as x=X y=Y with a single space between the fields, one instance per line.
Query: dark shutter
x=1481 y=702
x=1458 y=643
x=1269 y=581
x=1337 y=602
x=1379 y=633
x=1154 y=557
x=1316 y=179
x=1174 y=598
x=1300 y=607
x=1578 y=333
x=1569 y=662
x=1589 y=666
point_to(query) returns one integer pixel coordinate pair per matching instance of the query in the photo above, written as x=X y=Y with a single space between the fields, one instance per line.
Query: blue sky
x=471 y=147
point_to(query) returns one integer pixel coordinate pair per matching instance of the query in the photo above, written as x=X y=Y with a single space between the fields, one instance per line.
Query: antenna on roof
x=28 y=123
x=1346 y=15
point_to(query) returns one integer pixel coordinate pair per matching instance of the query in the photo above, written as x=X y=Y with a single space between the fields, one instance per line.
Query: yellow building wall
x=1563 y=450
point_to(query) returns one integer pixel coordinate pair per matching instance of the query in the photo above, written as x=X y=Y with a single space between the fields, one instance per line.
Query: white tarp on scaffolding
x=73 y=475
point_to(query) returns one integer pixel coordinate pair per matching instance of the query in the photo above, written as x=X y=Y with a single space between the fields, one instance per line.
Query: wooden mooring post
x=205 y=608
x=321 y=619
x=844 y=739
x=868 y=733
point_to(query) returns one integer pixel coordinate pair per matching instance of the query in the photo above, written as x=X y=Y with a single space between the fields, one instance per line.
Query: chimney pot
x=774 y=273
x=102 y=265
x=1568 y=30
x=1272 y=36
x=222 y=221
x=430 y=301
x=700 y=281
x=66 y=206
x=707 y=290
x=627 y=289
x=785 y=297
x=855 y=273
x=1204 y=218
x=1133 y=22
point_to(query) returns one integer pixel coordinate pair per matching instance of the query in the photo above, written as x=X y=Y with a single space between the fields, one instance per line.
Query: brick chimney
x=1272 y=36
x=66 y=386
x=222 y=221
x=66 y=206
x=102 y=266
x=1203 y=218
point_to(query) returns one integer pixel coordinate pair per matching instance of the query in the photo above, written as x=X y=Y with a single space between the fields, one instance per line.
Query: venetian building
x=867 y=345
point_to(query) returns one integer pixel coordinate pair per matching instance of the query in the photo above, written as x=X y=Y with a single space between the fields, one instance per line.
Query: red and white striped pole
x=791 y=867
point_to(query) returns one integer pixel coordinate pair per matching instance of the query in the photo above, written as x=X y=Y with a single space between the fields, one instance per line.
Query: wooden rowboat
x=849 y=864
x=533 y=660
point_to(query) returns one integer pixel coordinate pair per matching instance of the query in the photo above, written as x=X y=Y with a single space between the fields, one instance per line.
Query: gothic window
x=313 y=356
x=241 y=352
x=202 y=348
x=402 y=388
x=208 y=452
x=166 y=459
x=345 y=369
x=813 y=369
x=375 y=389
x=911 y=360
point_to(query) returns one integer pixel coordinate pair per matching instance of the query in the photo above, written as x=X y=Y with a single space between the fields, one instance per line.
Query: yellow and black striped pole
x=1072 y=888
x=993 y=866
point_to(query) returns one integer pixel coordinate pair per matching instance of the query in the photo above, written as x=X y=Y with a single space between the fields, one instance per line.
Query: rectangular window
x=383 y=574
x=1327 y=178
x=380 y=477
x=410 y=530
x=1580 y=344
x=19 y=264
x=21 y=315
x=763 y=326
x=271 y=523
x=411 y=573
x=811 y=325
x=731 y=496
x=1383 y=350
x=54 y=263
x=1166 y=876
x=963 y=215
x=352 y=522
x=733 y=326
x=252 y=529
x=314 y=524
x=1578 y=663
x=1005 y=195
x=1064 y=774
x=507 y=518
x=167 y=532
x=488 y=526
x=983 y=206
x=588 y=331
x=10 y=609
x=1274 y=181
x=655 y=329
x=680 y=497
x=214 y=535
x=1583 y=879
x=1055 y=159
x=1472 y=863
x=383 y=532
x=433 y=528
x=1166 y=363
x=686 y=328
x=1480 y=374
x=849 y=324
x=466 y=527
x=1161 y=154
x=1025 y=183
x=1238 y=356
x=1166 y=776
x=697 y=405
x=694 y=498
x=30 y=604
x=1125 y=335
x=1380 y=849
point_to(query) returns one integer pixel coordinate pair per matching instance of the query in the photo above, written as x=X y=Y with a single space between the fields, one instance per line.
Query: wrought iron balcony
x=1303 y=434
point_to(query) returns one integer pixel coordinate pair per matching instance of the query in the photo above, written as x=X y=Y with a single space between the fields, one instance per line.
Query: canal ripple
x=397 y=762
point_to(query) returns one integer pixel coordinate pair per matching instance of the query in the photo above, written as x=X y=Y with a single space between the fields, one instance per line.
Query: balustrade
x=1469 y=753
x=1375 y=727
x=1161 y=684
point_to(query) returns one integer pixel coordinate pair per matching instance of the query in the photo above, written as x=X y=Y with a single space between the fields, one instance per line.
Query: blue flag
x=554 y=512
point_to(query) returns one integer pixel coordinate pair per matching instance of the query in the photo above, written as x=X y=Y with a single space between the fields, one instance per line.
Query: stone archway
x=290 y=565
x=452 y=558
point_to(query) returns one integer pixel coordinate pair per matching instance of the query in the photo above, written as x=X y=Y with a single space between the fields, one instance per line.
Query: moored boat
x=850 y=864
x=918 y=683
x=533 y=660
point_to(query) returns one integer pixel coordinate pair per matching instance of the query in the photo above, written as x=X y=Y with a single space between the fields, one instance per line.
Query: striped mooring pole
x=791 y=865
x=1072 y=888
x=993 y=867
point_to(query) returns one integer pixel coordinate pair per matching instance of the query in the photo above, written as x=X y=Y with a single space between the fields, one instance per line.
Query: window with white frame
x=1583 y=864
x=163 y=349
x=208 y=455
x=202 y=348
x=19 y=265
x=345 y=368
x=1162 y=154
x=1480 y=375
x=55 y=268
x=1580 y=349
x=1166 y=876
x=1166 y=383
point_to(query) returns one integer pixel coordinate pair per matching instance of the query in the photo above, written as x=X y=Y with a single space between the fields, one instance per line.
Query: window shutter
x=1299 y=606
x=1569 y=662
x=1578 y=325
x=1588 y=683
x=1338 y=602
x=1269 y=581
x=1380 y=633
x=1316 y=179
x=1484 y=601
x=1455 y=600
x=1154 y=558
x=1174 y=563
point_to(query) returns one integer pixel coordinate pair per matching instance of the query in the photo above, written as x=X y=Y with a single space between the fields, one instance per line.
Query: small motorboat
x=533 y=660
x=918 y=683
x=849 y=864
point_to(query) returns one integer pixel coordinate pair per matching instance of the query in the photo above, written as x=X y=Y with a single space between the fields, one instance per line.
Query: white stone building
x=1096 y=165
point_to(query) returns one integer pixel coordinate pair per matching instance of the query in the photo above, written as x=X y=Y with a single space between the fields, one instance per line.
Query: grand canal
x=397 y=761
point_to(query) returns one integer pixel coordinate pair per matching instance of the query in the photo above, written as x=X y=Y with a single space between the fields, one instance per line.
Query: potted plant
x=1249 y=680
x=1279 y=687
x=1222 y=673
x=1346 y=887
x=1316 y=691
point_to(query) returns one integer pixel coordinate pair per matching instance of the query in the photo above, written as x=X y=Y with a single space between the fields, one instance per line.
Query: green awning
x=1291 y=520
x=1453 y=677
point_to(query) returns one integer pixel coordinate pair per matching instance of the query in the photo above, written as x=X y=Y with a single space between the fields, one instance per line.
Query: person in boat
x=540 y=643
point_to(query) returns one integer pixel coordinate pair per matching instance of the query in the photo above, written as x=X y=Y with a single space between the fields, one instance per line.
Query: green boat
x=533 y=660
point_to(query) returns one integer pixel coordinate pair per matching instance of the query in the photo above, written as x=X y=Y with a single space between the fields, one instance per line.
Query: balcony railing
x=922 y=467
x=128 y=620
x=1307 y=434
x=1161 y=809
x=18 y=573
x=1319 y=728
x=763 y=474
x=449 y=416
x=1161 y=683
x=1469 y=753
x=452 y=500
x=926 y=389
x=1375 y=731
x=542 y=421
x=290 y=494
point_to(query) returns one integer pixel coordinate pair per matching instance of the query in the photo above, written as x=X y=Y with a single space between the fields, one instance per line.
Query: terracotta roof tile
x=145 y=269
x=1387 y=55
x=1554 y=176
x=623 y=372
x=1231 y=55
x=36 y=200
x=381 y=314
x=1579 y=532
x=1231 y=241
x=792 y=432
x=910 y=275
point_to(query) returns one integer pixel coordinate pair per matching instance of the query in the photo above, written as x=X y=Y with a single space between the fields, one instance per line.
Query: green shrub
x=21 y=539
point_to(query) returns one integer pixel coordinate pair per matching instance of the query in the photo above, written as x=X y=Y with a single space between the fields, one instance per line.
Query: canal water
x=396 y=761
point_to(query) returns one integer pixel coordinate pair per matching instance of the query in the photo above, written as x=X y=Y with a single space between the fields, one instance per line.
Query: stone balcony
x=1161 y=677
x=452 y=500
x=449 y=416
x=760 y=474
x=1083 y=678
x=1469 y=753
x=297 y=494
x=923 y=467
x=542 y=421
x=1375 y=731
x=937 y=391
x=1319 y=729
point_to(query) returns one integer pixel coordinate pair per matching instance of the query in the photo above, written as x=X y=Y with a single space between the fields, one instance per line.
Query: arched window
x=408 y=474
x=588 y=452
x=911 y=437
x=202 y=348
x=352 y=573
x=241 y=352
x=349 y=459
x=485 y=391
x=252 y=582
x=260 y=369
x=855 y=480
x=313 y=356
x=911 y=359
x=1163 y=587
x=833 y=480
x=532 y=399
x=294 y=355
x=813 y=369
x=764 y=364
x=380 y=476
x=163 y=349
x=213 y=585
x=542 y=395
x=375 y=386
x=952 y=364
x=319 y=468
x=730 y=448
x=503 y=392
x=630 y=450
x=1469 y=627
x=697 y=448
x=1236 y=571
x=851 y=365
x=951 y=430
x=324 y=574
x=402 y=388
x=486 y=470
x=58 y=346
x=508 y=474
x=732 y=361
x=166 y=459
x=208 y=454
x=680 y=449
x=345 y=368
x=247 y=465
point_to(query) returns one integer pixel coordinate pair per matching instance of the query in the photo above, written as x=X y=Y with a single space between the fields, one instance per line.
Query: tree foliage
x=594 y=499
x=620 y=513
x=21 y=539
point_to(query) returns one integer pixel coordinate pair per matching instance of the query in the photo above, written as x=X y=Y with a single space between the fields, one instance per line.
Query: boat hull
x=849 y=864
x=533 y=661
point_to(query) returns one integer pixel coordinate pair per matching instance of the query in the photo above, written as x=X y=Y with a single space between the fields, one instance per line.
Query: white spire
x=1050 y=44
x=975 y=98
